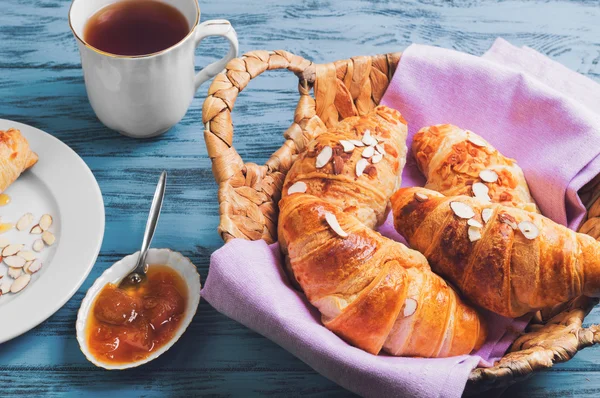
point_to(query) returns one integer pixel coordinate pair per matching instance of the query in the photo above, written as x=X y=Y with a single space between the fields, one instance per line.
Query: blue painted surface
x=41 y=84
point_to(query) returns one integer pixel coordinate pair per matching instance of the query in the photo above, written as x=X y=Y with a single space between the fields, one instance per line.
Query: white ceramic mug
x=143 y=96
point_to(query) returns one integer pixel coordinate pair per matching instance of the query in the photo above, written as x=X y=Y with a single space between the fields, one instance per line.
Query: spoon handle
x=152 y=222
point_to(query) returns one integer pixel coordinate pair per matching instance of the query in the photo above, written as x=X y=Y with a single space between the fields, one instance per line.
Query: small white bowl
x=118 y=271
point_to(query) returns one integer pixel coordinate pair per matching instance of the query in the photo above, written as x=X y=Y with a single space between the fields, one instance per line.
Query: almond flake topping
x=11 y=250
x=508 y=220
x=462 y=210
x=368 y=139
x=335 y=225
x=348 y=146
x=25 y=221
x=324 y=156
x=486 y=214
x=481 y=192
x=474 y=223
x=38 y=245
x=360 y=166
x=421 y=197
x=376 y=158
x=488 y=176
x=20 y=283
x=530 y=231
x=368 y=152
x=410 y=306
x=356 y=143
x=475 y=139
x=380 y=149
x=45 y=222
x=14 y=261
x=48 y=238
x=298 y=187
x=474 y=234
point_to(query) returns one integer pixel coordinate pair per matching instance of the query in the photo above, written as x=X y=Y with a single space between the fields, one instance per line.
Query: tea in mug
x=136 y=27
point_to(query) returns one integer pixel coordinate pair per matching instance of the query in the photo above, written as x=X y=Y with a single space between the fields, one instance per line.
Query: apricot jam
x=127 y=324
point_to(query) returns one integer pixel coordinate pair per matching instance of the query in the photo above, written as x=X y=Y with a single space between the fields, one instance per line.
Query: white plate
x=61 y=185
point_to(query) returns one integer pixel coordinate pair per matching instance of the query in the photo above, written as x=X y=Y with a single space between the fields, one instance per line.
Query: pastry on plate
x=15 y=157
x=373 y=292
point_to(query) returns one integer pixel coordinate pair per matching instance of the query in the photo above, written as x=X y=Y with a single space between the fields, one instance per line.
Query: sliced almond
x=11 y=250
x=34 y=267
x=38 y=245
x=368 y=152
x=360 y=166
x=348 y=146
x=376 y=158
x=25 y=221
x=410 y=307
x=475 y=139
x=474 y=223
x=14 y=261
x=508 y=220
x=324 y=156
x=357 y=143
x=27 y=255
x=367 y=139
x=481 y=192
x=36 y=230
x=474 y=234
x=421 y=197
x=529 y=230
x=26 y=266
x=335 y=226
x=380 y=149
x=48 y=238
x=488 y=176
x=20 y=283
x=4 y=242
x=338 y=165
x=462 y=210
x=5 y=285
x=298 y=187
x=14 y=272
x=45 y=222
x=486 y=214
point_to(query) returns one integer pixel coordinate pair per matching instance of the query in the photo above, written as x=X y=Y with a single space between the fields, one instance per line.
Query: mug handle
x=215 y=27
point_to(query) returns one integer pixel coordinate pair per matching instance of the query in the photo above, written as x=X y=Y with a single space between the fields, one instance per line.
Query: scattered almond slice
x=4 y=242
x=488 y=176
x=20 y=283
x=5 y=285
x=410 y=307
x=45 y=222
x=348 y=146
x=508 y=220
x=38 y=245
x=421 y=197
x=14 y=261
x=11 y=250
x=34 y=267
x=368 y=152
x=481 y=192
x=530 y=231
x=474 y=223
x=36 y=230
x=462 y=210
x=14 y=272
x=475 y=139
x=368 y=139
x=26 y=266
x=474 y=234
x=324 y=156
x=335 y=226
x=376 y=158
x=298 y=187
x=360 y=166
x=27 y=255
x=380 y=149
x=357 y=143
x=486 y=214
x=48 y=238
x=25 y=221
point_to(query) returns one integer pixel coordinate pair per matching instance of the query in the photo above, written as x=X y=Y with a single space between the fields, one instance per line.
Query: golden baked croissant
x=460 y=162
x=507 y=260
x=15 y=157
x=372 y=291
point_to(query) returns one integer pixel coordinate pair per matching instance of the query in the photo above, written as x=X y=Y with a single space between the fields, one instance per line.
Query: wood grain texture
x=41 y=84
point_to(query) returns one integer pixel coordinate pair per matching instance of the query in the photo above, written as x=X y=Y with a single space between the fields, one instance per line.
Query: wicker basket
x=249 y=193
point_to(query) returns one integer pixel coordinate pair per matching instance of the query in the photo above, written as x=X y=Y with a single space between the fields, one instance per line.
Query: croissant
x=460 y=162
x=371 y=291
x=15 y=157
x=507 y=260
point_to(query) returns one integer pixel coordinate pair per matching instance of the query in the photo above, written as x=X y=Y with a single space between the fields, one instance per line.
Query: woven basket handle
x=216 y=112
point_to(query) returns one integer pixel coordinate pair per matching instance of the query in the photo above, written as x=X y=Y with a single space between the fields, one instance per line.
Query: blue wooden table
x=41 y=84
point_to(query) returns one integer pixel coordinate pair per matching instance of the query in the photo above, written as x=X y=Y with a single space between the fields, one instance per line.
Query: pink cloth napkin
x=530 y=108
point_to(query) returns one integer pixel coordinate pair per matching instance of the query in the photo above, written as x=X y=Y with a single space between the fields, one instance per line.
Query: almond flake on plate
x=45 y=222
x=27 y=255
x=486 y=214
x=298 y=187
x=4 y=242
x=356 y=143
x=5 y=285
x=376 y=158
x=35 y=266
x=38 y=245
x=348 y=146
x=48 y=238
x=488 y=176
x=474 y=223
x=324 y=156
x=481 y=192
x=368 y=152
x=14 y=261
x=421 y=197
x=25 y=221
x=474 y=234
x=529 y=230
x=410 y=306
x=20 y=283
x=14 y=272
x=11 y=250
x=462 y=210
x=475 y=139
x=335 y=225
x=36 y=230
x=360 y=166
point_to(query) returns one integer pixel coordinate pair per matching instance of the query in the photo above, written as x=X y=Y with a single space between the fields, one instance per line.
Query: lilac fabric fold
x=531 y=109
